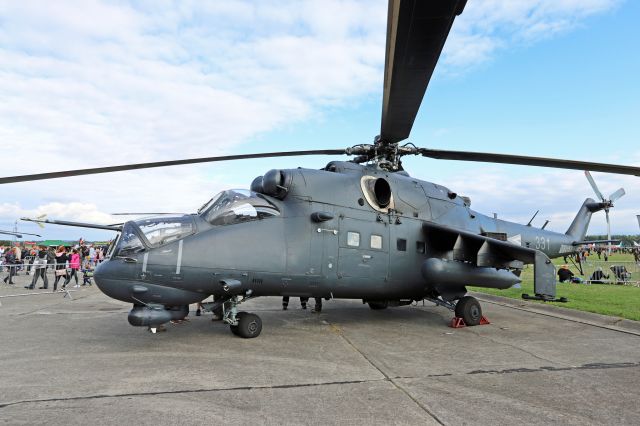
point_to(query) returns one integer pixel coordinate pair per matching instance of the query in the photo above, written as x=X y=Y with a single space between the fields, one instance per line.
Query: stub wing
x=484 y=252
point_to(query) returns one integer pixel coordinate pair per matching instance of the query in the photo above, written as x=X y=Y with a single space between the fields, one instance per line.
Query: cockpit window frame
x=149 y=244
x=266 y=209
x=137 y=232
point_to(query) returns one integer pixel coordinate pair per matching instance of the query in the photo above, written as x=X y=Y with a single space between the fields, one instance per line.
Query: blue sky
x=102 y=83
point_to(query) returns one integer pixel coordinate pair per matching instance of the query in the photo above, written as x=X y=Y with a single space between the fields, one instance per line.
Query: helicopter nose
x=106 y=276
x=117 y=282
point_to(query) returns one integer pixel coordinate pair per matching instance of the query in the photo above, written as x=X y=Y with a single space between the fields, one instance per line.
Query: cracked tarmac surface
x=79 y=361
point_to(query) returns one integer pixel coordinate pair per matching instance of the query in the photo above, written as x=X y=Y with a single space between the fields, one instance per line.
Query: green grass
x=616 y=300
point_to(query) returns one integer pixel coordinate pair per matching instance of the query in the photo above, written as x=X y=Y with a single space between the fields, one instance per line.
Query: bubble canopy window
x=236 y=206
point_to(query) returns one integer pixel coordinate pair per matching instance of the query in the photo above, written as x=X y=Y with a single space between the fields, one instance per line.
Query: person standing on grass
x=74 y=264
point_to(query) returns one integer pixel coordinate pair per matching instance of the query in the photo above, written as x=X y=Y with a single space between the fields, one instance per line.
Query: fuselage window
x=420 y=247
x=353 y=239
x=401 y=244
x=376 y=242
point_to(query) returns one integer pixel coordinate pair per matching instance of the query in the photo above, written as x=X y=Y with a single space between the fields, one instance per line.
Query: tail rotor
x=606 y=203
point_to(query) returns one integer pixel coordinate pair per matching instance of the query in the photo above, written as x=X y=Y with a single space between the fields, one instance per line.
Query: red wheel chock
x=457 y=322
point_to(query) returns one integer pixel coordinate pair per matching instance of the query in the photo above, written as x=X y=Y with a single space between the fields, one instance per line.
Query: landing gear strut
x=242 y=324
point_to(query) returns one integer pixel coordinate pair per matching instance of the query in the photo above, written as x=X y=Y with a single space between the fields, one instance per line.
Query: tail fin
x=580 y=224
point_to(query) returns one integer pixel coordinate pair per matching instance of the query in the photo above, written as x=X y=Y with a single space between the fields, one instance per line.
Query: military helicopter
x=358 y=229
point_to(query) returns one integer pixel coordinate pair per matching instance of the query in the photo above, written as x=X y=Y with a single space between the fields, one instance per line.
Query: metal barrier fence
x=66 y=292
x=29 y=265
x=10 y=272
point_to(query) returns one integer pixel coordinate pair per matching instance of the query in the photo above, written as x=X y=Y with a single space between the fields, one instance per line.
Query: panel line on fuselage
x=179 y=262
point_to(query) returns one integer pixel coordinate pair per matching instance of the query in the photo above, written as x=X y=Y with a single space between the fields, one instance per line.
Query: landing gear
x=249 y=325
x=468 y=308
x=376 y=306
x=242 y=324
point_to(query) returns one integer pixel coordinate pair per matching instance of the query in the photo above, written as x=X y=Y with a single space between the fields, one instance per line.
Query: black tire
x=468 y=308
x=249 y=325
x=376 y=306
x=234 y=329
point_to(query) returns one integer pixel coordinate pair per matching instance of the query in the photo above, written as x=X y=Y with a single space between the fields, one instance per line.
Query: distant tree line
x=627 y=240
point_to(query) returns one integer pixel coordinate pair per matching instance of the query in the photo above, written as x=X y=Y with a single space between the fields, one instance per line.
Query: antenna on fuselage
x=533 y=217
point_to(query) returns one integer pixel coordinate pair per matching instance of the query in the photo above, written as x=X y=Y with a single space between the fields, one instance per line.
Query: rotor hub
x=385 y=155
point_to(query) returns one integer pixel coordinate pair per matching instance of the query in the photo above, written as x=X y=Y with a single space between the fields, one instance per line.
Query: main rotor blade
x=416 y=33
x=593 y=185
x=529 y=161
x=96 y=170
x=619 y=193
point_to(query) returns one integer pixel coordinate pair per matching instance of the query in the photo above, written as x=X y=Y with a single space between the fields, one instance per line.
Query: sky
x=97 y=83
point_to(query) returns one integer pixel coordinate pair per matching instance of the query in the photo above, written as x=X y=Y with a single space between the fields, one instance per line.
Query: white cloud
x=98 y=83
x=487 y=26
x=73 y=211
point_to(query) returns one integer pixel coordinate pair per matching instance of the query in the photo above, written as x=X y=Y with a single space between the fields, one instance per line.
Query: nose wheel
x=242 y=324
x=249 y=325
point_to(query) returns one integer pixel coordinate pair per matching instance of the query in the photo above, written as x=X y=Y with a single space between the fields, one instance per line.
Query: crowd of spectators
x=66 y=262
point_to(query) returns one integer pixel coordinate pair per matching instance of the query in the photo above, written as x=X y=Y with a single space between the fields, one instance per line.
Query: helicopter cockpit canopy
x=129 y=243
x=236 y=206
x=163 y=230
x=156 y=232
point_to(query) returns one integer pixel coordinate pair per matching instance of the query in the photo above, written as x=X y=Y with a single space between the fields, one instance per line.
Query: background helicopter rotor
x=18 y=234
x=607 y=203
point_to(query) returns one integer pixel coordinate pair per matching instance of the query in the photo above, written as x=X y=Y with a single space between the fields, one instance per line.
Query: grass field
x=608 y=299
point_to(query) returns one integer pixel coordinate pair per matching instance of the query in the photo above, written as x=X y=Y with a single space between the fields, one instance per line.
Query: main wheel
x=468 y=308
x=376 y=306
x=249 y=325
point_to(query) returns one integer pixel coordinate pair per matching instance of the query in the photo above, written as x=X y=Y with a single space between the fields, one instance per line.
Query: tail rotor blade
x=606 y=212
x=593 y=185
x=619 y=193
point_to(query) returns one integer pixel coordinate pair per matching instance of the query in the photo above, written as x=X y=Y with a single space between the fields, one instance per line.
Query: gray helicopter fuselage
x=330 y=239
